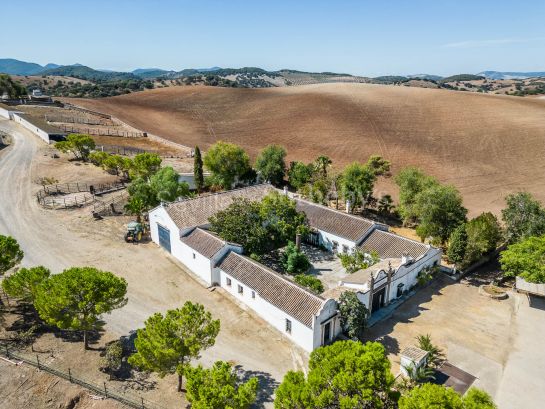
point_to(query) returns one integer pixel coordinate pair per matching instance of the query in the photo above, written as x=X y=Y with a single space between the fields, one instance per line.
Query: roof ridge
x=188 y=199
x=339 y=211
x=402 y=237
x=277 y=274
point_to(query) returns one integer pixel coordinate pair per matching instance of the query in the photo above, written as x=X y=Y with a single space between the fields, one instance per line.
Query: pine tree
x=197 y=170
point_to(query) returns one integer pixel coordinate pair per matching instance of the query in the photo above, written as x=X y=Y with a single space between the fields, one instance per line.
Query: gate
x=164 y=237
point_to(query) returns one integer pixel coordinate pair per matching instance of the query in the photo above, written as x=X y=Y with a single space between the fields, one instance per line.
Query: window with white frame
x=345 y=248
x=193 y=255
x=240 y=289
x=228 y=281
x=253 y=294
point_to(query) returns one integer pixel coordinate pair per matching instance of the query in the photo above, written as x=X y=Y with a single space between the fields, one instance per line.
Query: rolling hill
x=486 y=145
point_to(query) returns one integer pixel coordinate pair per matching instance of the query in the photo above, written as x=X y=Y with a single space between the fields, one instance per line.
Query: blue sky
x=358 y=37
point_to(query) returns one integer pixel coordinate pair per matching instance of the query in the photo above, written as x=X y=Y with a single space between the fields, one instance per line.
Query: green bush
x=294 y=260
x=310 y=282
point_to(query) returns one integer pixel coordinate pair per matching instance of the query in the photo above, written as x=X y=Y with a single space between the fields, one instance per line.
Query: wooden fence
x=76 y=120
x=112 y=207
x=70 y=195
x=131 y=400
x=101 y=131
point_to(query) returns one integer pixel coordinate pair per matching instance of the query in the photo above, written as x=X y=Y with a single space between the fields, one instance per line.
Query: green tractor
x=135 y=232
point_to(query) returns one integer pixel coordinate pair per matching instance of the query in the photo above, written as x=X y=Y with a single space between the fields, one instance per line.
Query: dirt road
x=156 y=282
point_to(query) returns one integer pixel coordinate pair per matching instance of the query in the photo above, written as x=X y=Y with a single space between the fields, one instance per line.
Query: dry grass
x=486 y=145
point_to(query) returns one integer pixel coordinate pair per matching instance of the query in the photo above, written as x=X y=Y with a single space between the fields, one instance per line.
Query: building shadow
x=266 y=388
x=406 y=312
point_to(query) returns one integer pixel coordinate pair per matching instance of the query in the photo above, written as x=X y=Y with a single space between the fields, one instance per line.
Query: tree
x=77 y=298
x=440 y=211
x=357 y=184
x=484 y=233
x=80 y=145
x=220 y=388
x=457 y=245
x=358 y=260
x=316 y=190
x=113 y=358
x=10 y=253
x=478 y=399
x=523 y=217
x=98 y=157
x=322 y=163
x=354 y=315
x=346 y=374
x=241 y=222
x=163 y=186
x=385 y=204
x=525 y=259
x=168 y=343
x=24 y=283
x=411 y=182
x=293 y=392
x=294 y=260
x=226 y=161
x=136 y=206
x=271 y=165
x=198 y=171
x=283 y=220
x=310 y=282
x=118 y=164
x=378 y=165
x=299 y=174
x=430 y=395
x=144 y=165
x=435 y=354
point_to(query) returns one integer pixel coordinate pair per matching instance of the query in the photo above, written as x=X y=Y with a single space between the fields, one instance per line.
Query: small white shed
x=412 y=357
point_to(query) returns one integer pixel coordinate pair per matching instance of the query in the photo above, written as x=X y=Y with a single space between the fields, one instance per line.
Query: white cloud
x=489 y=43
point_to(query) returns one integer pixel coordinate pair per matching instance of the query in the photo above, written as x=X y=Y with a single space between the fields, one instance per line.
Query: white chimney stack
x=347 y=206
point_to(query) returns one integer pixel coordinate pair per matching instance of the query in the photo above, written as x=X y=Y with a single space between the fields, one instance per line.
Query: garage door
x=164 y=237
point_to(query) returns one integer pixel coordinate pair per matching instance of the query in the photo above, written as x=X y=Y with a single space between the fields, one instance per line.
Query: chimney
x=286 y=190
x=347 y=206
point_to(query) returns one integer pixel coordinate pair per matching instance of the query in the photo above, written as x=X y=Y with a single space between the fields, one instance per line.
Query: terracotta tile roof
x=294 y=300
x=196 y=212
x=390 y=245
x=203 y=242
x=333 y=221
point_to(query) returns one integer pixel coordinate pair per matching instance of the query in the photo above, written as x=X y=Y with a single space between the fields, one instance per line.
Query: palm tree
x=422 y=374
x=435 y=354
x=322 y=162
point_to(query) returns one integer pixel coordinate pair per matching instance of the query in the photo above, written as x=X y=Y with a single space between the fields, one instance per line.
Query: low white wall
x=4 y=113
x=300 y=333
x=32 y=128
x=523 y=285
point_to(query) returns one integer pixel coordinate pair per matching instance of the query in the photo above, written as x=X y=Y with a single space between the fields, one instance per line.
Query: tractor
x=135 y=232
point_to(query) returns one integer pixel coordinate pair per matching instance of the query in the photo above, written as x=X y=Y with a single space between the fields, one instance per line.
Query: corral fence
x=131 y=400
x=101 y=131
x=76 y=120
x=112 y=207
x=89 y=111
x=122 y=150
x=69 y=195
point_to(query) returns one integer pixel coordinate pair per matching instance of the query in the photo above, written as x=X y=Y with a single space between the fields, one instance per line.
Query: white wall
x=327 y=239
x=327 y=314
x=300 y=333
x=37 y=131
x=407 y=274
x=4 y=113
x=200 y=265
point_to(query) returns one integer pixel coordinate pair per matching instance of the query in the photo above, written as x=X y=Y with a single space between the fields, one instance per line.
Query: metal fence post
x=105 y=390
x=143 y=407
x=38 y=360
x=7 y=351
x=70 y=375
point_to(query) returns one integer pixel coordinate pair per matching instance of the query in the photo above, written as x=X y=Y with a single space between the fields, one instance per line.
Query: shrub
x=294 y=260
x=310 y=282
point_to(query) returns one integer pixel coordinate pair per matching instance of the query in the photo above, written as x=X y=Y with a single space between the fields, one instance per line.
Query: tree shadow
x=93 y=336
x=266 y=388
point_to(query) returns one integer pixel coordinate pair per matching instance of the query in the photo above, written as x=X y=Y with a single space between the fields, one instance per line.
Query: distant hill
x=462 y=77
x=508 y=75
x=87 y=73
x=425 y=77
x=16 y=67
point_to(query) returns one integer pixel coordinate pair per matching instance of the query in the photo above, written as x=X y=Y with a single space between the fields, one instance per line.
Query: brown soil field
x=486 y=145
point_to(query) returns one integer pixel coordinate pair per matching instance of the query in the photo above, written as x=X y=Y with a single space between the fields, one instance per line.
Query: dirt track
x=156 y=282
x=486 y=145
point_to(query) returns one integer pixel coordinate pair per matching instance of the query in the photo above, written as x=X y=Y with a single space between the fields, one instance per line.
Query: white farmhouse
x=310 y=321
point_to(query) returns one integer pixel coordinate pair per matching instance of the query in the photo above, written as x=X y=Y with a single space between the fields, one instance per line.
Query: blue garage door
x=164 y=237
